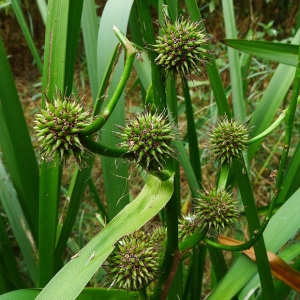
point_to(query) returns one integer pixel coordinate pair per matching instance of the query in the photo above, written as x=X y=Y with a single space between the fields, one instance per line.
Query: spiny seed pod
x=183 y=47
x=134 y=263
x=217 y=210
x=57 y=127
x=188 y=225
x=227 y=139
x=158 y=238
x=148 y=138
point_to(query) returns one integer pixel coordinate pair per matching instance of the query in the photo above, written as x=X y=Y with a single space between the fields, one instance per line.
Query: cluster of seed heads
x=134 y=262
x=148 y=138
x=57 y=128
x=183 y=47
x=217 y=210
x=227 y=139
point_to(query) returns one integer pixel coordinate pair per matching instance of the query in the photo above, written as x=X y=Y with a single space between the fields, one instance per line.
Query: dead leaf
x=279 y=268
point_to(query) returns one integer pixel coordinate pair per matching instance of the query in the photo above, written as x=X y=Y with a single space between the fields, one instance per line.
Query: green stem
x=104 y=85
x=193 y=240
x=108 y=151
x=256 y=235
x=192 y=134
x=223 y=176
x=158 y=78
x=103 y=117
x=263 y=265
x=279 y=120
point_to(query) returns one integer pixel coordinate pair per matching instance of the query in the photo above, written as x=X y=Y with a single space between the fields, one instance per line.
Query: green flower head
x=217 y=210
x=183 y=47
x=227 y=140
x=57 y=126
x=134 y=262
x=148 y=138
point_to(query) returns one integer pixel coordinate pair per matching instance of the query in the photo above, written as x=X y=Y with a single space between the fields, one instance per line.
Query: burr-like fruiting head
x=217 y=210
x=148 y=138
x=134 y=262
x=57 y=127
x=227 y=140
x=183 y=47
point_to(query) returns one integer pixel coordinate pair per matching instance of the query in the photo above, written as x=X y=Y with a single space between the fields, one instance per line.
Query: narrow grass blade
x=90 y=24
x=239 y=109
x=278 y=52
x=115 y=177
x=42 y=5
x=16 y=146
x=192 y=133
x=75 y=194
x=62 y=32
x=19 y=14
x=10 y=278
x=70 y=281
x=18 y=223
x=188 y=169
x=275 y=93
x=86 y=294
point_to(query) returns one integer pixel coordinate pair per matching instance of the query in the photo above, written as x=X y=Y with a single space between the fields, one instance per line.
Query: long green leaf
x=18 y=223
x=90 y=24
x=277 y=52
x=234 y=63
x=75 y=194
x=115 y=178
x=19 y=14
x=274 y=94
x=62 y=33
x=10 y=278
x=16 y=146
x=70 y=281
x=86 y=294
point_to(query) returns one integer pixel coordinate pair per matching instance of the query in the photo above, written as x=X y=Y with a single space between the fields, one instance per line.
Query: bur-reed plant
x=136 y=256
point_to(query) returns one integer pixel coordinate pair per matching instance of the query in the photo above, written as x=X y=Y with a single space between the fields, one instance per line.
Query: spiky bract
x=227 y=139
x=57 y=128
x=183 y=47
x=217 y=210
x=148 y=138
x=134 y=262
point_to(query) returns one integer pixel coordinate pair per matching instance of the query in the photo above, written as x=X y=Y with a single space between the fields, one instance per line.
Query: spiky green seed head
x=158 y=238
x=227 y=140
x=217 y=210
x=188 y=225
x=134 y=262
x=183 y=47
x=57 y=126
x=148 y=138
